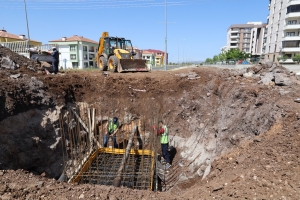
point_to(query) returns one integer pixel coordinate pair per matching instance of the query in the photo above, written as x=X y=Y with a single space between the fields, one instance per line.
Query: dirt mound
x=24 y=185
x=15 y=61
x=266 y=167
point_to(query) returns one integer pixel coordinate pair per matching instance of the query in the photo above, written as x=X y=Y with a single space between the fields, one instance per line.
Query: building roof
x=5 y=34
x=247 y=25
x=153 y=51
x=74 y=38
x=147 y=52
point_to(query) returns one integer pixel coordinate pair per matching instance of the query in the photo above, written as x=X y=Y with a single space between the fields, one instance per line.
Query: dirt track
x=247 y=132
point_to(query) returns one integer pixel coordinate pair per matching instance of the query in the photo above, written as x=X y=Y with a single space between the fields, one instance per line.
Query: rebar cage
x=88 y=161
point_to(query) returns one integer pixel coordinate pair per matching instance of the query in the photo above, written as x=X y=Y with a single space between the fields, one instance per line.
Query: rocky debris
x=190 y=75
x=282 y=79
x=7 y=63
x=266 y=63
x=15 y=76
x=297 y=100
x=268 y=72
x=248 y=74
x=298 y=76
x=267 y=79
x=13 y=61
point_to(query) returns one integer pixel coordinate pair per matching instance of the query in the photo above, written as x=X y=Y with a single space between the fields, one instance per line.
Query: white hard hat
x=53 y=47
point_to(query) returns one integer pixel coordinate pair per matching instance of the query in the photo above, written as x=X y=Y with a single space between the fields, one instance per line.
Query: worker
x=164 y=141
x=112 y=129
x=55 y=60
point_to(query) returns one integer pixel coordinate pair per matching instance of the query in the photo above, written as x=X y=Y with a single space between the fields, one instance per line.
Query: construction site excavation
x=89 y=134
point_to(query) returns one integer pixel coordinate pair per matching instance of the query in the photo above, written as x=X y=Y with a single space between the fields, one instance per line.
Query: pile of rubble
x=268 y=73
x=13 y=61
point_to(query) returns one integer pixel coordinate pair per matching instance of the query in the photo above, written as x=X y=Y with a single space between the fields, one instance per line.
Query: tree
x=296 y=58
x=282 y=58
x=208 y=60
x=215 y=59
x=223 y=56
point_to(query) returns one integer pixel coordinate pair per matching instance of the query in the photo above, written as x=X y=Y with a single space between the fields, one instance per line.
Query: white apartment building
x=283 y=36
x=76 y=52
x=246 y=37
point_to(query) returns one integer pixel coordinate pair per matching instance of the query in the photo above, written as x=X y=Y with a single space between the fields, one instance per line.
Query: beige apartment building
x=247 y=37
x=283 y=36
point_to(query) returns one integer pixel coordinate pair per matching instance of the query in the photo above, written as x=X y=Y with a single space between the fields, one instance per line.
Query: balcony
x=291 y=38
x=234 y=41
x=234 y=36
x=291 y=26
x=293 y=2
x=233 y=47
x=292 y=15
x=235 y=31
x=291 y=49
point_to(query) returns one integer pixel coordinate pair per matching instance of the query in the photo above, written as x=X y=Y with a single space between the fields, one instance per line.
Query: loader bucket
x=132 y=65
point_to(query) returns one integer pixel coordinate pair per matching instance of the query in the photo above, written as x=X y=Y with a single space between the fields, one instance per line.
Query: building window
x=84 y=48
x=73 y=56
x=75 y=64
x=85 y=57
x=91 y=56
x=91 y=63
x=73 y=48
x=290 y=44
x=91 y=49
x=85 y=64
x=293 y=8
x=292 y=22
x=290 y=34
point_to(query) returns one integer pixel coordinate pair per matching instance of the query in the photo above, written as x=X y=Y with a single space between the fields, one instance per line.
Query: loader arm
x=101 y=45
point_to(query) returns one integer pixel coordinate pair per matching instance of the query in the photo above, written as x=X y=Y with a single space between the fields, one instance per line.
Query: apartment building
x=76 y=52
x=283 y=36
x=247 y=37
x=159 y=57
x=10 y=37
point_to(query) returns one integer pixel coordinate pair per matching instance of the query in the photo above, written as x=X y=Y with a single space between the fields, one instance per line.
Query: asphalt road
x=169 y=67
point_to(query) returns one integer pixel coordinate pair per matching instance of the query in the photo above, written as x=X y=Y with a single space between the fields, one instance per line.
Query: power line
x=95 y=4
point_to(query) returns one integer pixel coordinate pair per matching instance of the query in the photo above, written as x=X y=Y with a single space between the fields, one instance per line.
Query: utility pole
x=178 y=55
x=166 y=38
x=27 y=24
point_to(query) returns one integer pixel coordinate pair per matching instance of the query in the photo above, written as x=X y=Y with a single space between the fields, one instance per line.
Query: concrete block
x=298 y=76
x=282 y=79
x=267 y=79
x=248 y=74
x=7 y=63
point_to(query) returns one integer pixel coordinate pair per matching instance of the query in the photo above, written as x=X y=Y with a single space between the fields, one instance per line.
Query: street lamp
x=27 y=24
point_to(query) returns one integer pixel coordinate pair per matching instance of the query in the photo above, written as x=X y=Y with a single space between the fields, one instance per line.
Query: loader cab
x=128 y=47
x=112 y=43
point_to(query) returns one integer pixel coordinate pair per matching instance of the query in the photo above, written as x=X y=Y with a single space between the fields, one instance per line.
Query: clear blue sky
x=196 y=27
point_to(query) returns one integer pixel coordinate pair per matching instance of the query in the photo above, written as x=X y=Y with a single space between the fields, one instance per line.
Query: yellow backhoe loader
x=116 y=55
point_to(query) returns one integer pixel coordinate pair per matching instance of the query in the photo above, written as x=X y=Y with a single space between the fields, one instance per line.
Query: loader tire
x=113 y=63
x=102 y=63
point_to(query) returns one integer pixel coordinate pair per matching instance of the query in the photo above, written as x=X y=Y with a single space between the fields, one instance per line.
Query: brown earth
x=247 y=132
